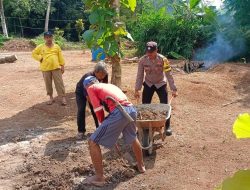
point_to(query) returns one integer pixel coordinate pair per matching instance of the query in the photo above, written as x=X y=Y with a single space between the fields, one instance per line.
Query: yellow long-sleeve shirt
x=50 y=58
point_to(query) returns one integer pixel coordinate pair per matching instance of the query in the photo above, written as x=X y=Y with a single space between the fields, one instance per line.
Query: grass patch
x=3 y=39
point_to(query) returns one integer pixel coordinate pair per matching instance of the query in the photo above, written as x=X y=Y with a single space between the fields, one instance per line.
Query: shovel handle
x=118 y=150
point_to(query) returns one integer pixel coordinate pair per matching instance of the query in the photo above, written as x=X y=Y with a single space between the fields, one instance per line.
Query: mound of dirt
x=238 y=73
x=18 y=45
x=230 y=69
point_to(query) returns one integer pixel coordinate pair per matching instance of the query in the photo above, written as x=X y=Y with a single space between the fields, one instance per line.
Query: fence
x=30 y=27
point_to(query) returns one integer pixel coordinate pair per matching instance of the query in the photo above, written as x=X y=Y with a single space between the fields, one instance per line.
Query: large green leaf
x=88 y=35
x=240 y=181
x=176 y=55
x=120 y=32
x=194 y=3
x=210 y=15
x=131 y=4
x=94 y=18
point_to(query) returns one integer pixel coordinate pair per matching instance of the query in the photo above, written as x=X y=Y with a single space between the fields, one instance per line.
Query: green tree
x=239 y=11
x=177 y=26
x=30 y=15
x=106 y=29
x=79 y=27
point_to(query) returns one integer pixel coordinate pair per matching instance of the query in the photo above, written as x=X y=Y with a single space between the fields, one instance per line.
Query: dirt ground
x=38 y=149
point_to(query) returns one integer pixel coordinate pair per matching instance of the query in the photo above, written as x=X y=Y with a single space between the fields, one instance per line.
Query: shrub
x=3 y=39
x=58 y=38
x=79 y=27
x=173 y=34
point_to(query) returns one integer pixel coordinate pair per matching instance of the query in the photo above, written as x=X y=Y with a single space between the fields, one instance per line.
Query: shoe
x=79 y=136
x=168 y=132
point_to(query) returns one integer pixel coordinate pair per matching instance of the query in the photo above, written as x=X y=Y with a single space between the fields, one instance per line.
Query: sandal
x=50 y=102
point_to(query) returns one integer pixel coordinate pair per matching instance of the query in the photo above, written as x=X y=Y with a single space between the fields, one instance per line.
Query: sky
x=216 y=3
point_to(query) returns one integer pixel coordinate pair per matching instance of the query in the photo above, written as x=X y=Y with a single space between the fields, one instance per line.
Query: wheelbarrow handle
x=170 y=107
x=148 y=147
x=169 y=112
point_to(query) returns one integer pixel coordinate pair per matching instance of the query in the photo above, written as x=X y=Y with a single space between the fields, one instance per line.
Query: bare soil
x=38 y=149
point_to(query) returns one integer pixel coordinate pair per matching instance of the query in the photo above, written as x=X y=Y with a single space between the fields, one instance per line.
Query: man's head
x=151 y=49
x=100 y=70
x=88 y=81
x=48 y=37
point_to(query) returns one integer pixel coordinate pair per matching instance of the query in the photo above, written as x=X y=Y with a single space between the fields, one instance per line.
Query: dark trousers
x=162 y=93
x=81 y=105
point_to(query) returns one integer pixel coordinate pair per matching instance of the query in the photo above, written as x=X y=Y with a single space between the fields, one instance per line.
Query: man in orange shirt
x=111 y=126
x=52 y=66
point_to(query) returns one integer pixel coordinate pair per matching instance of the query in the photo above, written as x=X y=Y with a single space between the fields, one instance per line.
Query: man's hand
x=87 y=97
x=137 y=94
x=62 y=69
x=174 y=94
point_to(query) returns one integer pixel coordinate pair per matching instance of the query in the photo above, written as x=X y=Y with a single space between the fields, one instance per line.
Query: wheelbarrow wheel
x=146 y=143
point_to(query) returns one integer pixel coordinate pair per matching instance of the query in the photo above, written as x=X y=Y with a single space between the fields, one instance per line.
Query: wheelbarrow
x=147 y=127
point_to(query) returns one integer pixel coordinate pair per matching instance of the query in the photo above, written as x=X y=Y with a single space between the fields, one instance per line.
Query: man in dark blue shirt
x=101 y=73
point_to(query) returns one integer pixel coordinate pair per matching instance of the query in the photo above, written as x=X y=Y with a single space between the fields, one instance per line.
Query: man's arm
x=139 y=79
x=36 y=53
x=169 y=76
x=98 y=109
x=61 y=59
x=171 y=83
x=100 y=115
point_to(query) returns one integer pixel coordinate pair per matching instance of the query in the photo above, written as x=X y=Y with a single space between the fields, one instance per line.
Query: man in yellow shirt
x=52 y=66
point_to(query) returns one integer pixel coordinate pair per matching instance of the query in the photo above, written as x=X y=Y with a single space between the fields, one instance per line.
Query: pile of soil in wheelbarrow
x=152 y=111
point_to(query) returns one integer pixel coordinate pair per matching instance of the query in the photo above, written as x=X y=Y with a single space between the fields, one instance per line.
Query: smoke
x=227 y=44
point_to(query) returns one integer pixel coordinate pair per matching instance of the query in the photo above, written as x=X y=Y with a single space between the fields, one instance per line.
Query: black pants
x=81 y=105
x=162 y=93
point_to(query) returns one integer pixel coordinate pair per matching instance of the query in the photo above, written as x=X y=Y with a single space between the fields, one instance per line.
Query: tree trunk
x=5 y=32
x=116 y=71
x=8 y=59
x=116 y=77
x=46 y=28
